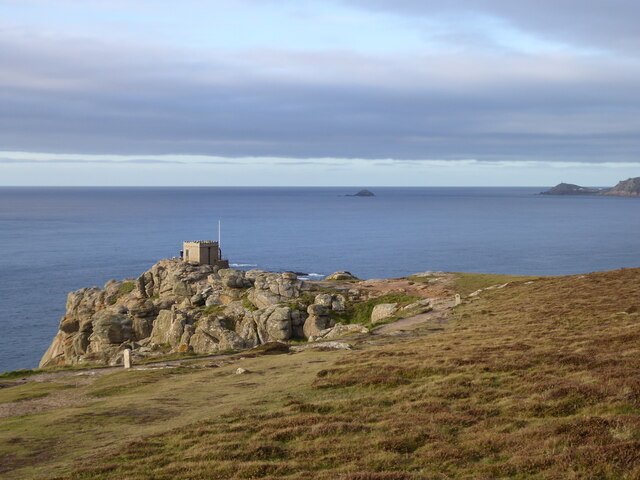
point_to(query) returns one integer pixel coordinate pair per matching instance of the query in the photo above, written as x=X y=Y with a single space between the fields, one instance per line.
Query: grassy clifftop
x=539 y=379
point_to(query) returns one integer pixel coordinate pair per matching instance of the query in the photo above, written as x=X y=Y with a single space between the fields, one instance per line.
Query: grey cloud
x=611 y=24
x=57 y=96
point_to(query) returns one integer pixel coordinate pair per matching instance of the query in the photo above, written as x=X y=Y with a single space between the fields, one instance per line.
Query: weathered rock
x=342 y=275
x=383 y=311
x=263 y=299
x=201 y=342
x=340 y=330
x=324 y=299
x=212 y=336
x=188 y=332
x=55 y=353
x=197 y=300
x=229 y=295
x=80 y=344
x=332 y=345
x=167 y=329
x=213 y=300
x=142 y=327
x=110 y=328
x=285 y=285
x=233 y=278
x=182 y=289
x=69 y=324
x=273 y=324
x=317 y=310
x=316 y=324
x=338 y=303
x=423 y=304
x=141 y=308
x=248 y=330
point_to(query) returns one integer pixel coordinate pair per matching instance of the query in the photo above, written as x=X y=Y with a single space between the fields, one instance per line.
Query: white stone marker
x=126 y=358
x=458 y=299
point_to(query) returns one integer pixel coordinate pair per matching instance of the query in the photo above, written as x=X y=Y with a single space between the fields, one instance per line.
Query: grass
x=248 y=305
x=124 y=289
x=30 y=391
x=7 y=377
x=361 y=312
x=466 y=283
x=532 y=381
x=19 y=374
x=213 y=310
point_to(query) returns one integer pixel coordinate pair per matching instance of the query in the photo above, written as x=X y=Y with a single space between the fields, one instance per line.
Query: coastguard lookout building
x=205 y=252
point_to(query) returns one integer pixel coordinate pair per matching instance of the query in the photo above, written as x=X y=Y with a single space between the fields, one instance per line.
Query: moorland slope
x=534 y=380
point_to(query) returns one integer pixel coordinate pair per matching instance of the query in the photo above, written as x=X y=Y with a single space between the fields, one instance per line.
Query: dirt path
x=89 y=375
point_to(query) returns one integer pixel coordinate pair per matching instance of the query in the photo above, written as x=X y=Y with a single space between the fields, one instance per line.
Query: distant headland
x=624 y=188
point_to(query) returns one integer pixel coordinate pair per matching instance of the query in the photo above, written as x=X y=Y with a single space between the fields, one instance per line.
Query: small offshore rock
x=363 y=193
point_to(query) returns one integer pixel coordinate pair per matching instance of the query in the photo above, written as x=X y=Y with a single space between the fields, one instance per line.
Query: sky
x=319 y=92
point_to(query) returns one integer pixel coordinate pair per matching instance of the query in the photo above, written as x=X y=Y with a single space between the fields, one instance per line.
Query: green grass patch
x=248 y=305
x=124 y=289
x=127 y=382
x=30 y=391
x=361 y=312
x=421 y=279
x=19 y=374
x=213 y=310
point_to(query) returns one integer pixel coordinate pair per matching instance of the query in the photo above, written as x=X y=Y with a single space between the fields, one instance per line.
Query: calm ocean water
x=54 y=240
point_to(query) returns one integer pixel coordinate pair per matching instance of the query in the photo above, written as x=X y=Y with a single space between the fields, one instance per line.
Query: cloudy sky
x=319 y=92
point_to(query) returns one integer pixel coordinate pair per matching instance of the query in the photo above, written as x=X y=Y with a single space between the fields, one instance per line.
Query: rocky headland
x=571 y=189
x=181 y=307
x=624 y=188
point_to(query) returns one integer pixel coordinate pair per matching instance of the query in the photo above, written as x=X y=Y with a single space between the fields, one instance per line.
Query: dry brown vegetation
x=538 y=380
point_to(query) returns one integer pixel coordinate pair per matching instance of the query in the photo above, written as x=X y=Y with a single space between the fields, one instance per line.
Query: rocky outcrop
x=320 y=314
x=179 y=307
x=342 y=275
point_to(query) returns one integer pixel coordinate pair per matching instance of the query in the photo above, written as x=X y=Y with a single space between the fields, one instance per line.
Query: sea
x=56 y=240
